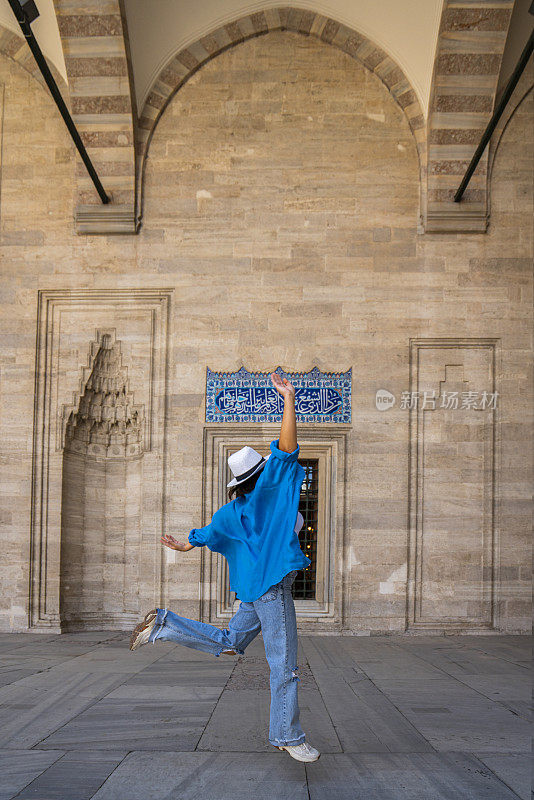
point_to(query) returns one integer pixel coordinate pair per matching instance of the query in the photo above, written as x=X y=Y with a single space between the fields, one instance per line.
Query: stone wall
x=280 y=217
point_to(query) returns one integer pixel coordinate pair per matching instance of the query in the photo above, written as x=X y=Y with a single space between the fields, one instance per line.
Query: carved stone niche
x=101 y=511
x=99 y=453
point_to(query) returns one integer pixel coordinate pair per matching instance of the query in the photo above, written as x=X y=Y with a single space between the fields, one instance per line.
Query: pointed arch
x=187 y=61
x=98 y=97
x=522 y=92
x=14 y=47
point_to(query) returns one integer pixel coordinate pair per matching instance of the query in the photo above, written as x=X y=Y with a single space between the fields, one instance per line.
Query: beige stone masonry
x=280 y=227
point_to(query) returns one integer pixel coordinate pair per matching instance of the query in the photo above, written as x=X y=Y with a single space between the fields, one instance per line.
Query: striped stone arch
x=95 y=47
x=522 y=92
x=185 y=63
x=14 y=46
x=468 y=60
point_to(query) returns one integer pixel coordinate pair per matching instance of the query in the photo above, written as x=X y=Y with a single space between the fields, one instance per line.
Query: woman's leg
x=243 y=627
x=276 y=611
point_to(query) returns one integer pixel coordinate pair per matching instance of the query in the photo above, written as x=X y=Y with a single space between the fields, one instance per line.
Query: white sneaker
x=301 y=752
x=142 y=631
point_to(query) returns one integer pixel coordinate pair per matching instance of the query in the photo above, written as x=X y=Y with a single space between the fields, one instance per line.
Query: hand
x=286 y=389
x=170 y=541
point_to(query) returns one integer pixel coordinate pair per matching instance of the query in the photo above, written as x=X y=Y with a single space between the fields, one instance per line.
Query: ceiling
x=45 y=29
x=158 y=29
x=406 y=29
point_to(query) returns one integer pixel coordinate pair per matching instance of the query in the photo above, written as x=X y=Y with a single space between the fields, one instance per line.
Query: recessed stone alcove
x=99 y=457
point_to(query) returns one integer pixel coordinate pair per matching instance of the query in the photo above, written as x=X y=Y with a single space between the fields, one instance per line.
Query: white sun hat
x=245 y=463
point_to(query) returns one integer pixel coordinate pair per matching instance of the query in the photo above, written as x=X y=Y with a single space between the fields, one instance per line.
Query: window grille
x=304 y=585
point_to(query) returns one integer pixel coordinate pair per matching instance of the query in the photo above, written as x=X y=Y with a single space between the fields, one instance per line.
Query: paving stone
x=134 y=725
x=474 y=724
x=18 y=768
x=197 y=722
x=189 y=673
x=403 y=776
x=254 y=673
x=163 y=693
x=365 y=719
x=171 y=652
x=464 y=661
x=41 y=713
x=240 y=722
x=74 y=776
x=9 y=676
x=512 y=692
x=206 y=776
x=513 y=769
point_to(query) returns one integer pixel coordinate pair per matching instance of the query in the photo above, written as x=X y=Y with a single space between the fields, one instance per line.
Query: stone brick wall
x=281 y=206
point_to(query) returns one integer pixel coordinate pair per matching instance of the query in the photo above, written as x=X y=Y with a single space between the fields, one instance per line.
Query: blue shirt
x=256 y=533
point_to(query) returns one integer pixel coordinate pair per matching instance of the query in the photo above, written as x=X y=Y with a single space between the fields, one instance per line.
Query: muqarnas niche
x=101 y=497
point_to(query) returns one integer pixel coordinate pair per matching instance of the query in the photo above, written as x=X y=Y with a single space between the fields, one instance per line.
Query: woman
x=257 y=532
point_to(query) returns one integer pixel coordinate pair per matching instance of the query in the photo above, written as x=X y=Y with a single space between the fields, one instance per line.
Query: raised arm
x=288 y=432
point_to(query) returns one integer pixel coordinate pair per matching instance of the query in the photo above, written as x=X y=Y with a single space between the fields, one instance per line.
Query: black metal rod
x=492 y=124
x=52 y=85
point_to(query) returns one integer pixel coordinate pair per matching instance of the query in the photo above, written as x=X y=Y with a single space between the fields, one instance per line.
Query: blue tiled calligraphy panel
x=244 y=396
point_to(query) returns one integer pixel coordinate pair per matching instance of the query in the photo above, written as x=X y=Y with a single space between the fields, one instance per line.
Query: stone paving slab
x=404 y=776
x=206 y=776
x=516 y=649
x=240 y=722
x=170 y=653
x=513 y=769
x=463 y=662
x=386 y=661
x=134 y=725
x=513 y=693
x=395 y=718
x=252 y=672
x=187 y=674
x=58 y=683
x=163 y=694
x=471 y=723
x=25 y=722
x=18 y=768
x=74 y=776
x=366 y=720
x=9 y=676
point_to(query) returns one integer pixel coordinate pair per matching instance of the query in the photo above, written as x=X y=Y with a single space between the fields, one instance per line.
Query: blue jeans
x=274 y=614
